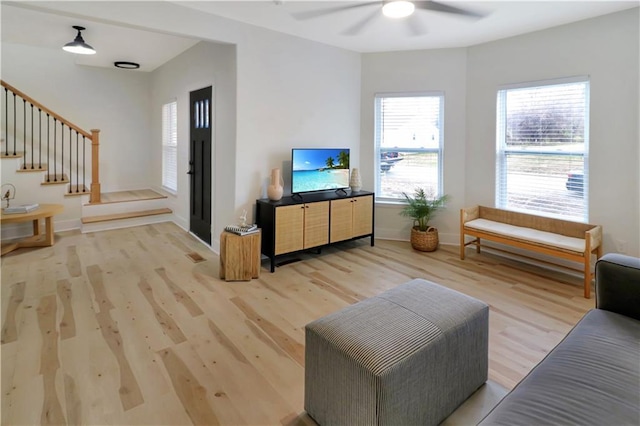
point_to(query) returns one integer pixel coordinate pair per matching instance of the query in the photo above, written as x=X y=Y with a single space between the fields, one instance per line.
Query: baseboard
x=512 y=253
x=181 y=221
x=22 y=230
x=403 y=235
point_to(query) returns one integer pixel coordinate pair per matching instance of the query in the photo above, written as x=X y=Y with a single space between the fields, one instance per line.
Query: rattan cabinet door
x=316 y=224
x=362 y=216
x=341 y=219
x=289 y=231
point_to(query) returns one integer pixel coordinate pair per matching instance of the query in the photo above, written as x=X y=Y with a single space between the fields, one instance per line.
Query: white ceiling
x=23 y=23
x=502 y=19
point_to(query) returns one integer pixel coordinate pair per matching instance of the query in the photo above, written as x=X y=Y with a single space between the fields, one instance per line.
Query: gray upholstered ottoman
x=410 y=355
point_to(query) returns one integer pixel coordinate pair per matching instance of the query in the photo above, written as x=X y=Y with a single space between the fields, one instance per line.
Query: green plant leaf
x=421 y=208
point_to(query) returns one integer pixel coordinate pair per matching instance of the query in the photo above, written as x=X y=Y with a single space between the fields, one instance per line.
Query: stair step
x=76 y=190
x=10 y=154
x=129 y=215
x=55 y=179
x=131 y=195
x=27 y=168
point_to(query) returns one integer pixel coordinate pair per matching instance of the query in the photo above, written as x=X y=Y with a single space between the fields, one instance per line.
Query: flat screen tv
x=319 y=169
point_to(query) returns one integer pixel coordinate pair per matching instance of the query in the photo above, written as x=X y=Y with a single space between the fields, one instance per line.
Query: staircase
x=49 y=159
x=49 y=144
x=125 y=208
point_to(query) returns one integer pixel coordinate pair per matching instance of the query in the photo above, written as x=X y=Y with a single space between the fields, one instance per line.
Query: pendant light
x=78 y=45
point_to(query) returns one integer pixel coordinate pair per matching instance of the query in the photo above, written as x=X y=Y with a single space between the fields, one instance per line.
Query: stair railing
x=53 y=125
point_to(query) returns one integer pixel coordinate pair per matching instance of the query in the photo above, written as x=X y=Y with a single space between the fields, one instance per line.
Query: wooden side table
x=239 y=256
x=44 y=211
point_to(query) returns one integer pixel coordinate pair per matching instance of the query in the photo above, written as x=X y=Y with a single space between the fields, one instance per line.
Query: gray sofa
x=593 y=376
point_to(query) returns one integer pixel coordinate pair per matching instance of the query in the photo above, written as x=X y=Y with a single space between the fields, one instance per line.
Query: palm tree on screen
x=343 y=159
x=330 y=162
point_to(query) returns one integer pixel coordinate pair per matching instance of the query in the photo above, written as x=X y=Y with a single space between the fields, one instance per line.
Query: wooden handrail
x=93 y=136
x=46 y=110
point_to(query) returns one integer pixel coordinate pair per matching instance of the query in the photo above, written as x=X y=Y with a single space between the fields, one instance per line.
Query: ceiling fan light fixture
x=78 y=45
x=398 y=9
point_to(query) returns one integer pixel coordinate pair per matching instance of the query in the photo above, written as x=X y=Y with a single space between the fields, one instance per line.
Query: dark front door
x=200 y=163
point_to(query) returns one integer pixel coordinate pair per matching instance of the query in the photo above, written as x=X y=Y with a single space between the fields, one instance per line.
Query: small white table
x=44 y=211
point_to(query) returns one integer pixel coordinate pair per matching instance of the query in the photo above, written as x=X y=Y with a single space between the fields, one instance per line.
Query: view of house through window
x=408 y=137
x=542 y=149
x=170 y=146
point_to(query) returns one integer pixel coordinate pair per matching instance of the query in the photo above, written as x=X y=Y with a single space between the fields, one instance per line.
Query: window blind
x=170 y=146
x=542 y=150
x=408 y=140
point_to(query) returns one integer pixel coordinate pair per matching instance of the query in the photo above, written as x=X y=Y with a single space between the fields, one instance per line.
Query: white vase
x=276 y=188
x=355 y=183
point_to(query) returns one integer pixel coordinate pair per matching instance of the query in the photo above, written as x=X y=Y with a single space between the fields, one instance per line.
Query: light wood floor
x=122 y=327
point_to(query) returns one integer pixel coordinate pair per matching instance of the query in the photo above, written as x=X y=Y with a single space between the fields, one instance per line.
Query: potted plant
x=421 y=209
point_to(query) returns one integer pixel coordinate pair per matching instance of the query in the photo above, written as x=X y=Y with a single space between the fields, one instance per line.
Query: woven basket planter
x=424 y=240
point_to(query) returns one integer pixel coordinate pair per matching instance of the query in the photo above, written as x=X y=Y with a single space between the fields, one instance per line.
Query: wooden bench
x=568 y=240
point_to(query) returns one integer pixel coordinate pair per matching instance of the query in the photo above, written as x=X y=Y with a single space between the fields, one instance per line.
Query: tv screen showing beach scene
x=319 y=169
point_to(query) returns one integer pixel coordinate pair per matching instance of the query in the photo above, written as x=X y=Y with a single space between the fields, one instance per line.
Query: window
x=542 y=149
x=170 y=146
x=408 y=137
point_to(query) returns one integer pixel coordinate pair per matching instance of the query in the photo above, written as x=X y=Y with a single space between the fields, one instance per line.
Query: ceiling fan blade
x=416 y=27
x=358 y=26
x=335 y=9
x=441 y=7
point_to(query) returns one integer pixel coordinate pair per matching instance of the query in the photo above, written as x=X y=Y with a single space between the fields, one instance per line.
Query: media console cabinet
x=305 y=221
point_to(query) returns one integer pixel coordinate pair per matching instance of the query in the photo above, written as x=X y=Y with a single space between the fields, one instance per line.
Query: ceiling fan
x=394 y=9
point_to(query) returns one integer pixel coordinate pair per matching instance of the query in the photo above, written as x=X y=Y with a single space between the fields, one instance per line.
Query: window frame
x=170 y=142
x=503 y=151
x=377 y=141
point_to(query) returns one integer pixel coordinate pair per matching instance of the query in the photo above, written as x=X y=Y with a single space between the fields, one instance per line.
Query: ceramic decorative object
x=276 y=188
x=355 y=183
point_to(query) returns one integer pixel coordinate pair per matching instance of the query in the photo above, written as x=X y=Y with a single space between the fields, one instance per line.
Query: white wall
x=205 y=64
x=607 y=50
x=112 y=100
x=293 y=92
x=418 y=71
x=290 y=92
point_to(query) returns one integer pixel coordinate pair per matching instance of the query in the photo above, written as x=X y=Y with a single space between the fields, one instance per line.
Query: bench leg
x=587 y=276
x=478 y=245
x=462 y=246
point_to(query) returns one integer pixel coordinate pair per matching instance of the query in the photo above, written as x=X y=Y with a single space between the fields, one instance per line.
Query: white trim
x=439 y=151
x=546 y=82
x=504 y=153
x=169 y=191
x=23 y=230
x=169 y=144
x=408 y=94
